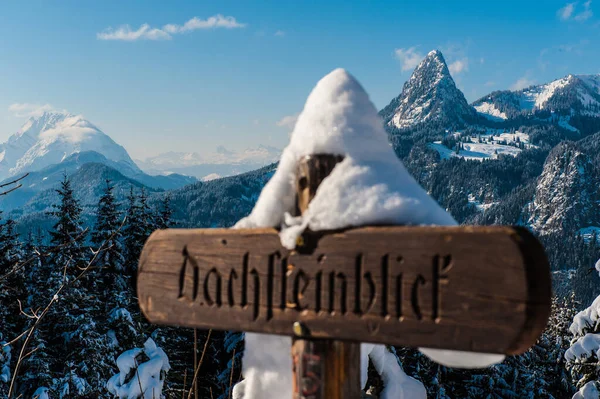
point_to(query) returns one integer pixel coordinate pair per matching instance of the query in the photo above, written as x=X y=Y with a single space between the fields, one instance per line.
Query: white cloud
x=125 y=33
x=571 y=11
x=586 y=13
x=566 y=12
x=146 y=32
x=490 y=83
x=214 y=22
x=459 y=66
x=409 y=57
x=280 y=33
x=26 y=110
x=288 y=121
x=522 y=83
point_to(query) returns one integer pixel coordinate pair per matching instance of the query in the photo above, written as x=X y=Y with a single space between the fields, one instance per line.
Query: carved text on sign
x=380 y=285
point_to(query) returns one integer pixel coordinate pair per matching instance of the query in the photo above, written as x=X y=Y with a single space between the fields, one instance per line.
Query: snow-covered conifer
x=164 y=213
x=142 y=373
x=583 y=356
x=108 y=235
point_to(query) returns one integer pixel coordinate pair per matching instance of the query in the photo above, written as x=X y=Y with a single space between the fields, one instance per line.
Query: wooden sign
x=482 y=289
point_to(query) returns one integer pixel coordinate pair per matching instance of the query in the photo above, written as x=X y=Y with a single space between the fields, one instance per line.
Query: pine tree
x=68 y=236
x=108 y=235
x=582 y=357
x=164 y=214
x=11 y=291
x=147 y=216
x=130 y=229
x=69 y=326
x=140 y=223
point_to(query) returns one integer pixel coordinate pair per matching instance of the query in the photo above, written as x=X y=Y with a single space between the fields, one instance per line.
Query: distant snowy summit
x=430 y=95
x=222 y=162
x=51 y=138
x=571 y=95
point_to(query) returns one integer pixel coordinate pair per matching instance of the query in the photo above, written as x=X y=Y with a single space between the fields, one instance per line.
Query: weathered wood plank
x=484 y=289
x=325 y=369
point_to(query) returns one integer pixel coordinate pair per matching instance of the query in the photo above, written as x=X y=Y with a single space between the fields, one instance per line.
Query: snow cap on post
x=339 y=119
x=370 y=186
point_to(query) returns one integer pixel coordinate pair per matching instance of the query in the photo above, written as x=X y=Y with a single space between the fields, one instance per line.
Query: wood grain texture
x=483 y=289
x=326 y=369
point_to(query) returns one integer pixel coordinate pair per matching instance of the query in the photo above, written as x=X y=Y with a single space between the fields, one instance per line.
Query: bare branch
x=200 y=362
x=10 y=183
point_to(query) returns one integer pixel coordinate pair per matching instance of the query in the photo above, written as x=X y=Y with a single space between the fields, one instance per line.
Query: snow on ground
x=477 y=204
x=370 y=186
x=490 y=111
x=485 y=146
x=509 y=137
x=476 y=151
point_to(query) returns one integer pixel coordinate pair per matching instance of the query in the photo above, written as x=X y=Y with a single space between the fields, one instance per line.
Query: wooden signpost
x=482 y=289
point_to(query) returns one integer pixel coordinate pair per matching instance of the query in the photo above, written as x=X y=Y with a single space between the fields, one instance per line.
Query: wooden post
x=443 y=287
x=322 y=368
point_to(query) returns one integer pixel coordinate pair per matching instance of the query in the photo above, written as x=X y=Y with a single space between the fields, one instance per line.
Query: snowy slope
x=430 y=95
x=51 y=138
x=490 y=111
x=569 y=95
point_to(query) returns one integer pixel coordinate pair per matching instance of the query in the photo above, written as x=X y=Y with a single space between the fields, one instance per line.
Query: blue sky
x=234 y=73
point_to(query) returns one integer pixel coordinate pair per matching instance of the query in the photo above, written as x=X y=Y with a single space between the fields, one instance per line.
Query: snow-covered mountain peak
x=35 y=125
x=569 y=95
x=429 y=95
x=51 y=138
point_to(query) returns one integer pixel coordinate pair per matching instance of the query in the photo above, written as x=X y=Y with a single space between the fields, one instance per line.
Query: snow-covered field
x=480 y=207
x=488 y=146
x=475 y=151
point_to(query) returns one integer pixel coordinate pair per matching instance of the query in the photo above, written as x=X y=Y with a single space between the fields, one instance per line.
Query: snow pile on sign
x=140 y=380
x=370 y=186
